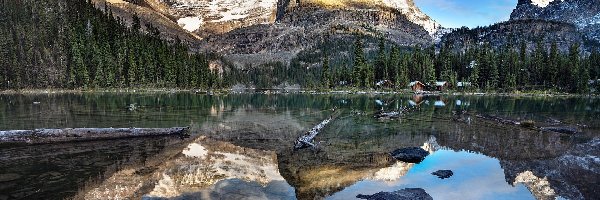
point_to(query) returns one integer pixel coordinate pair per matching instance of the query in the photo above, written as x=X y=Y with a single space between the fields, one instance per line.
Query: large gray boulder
x=410 y=154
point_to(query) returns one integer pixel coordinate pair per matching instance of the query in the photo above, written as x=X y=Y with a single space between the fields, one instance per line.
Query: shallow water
x=490 y=160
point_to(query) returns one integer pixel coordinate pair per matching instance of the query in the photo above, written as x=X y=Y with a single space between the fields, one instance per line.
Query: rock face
x=220 y=16
x=403 y=194
x=217 y=16
x=410 y=154
x=584 y=14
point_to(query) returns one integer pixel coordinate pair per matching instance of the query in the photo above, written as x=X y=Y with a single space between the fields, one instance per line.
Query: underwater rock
x=403 y=194
x=387 y=115
x=561 y=129
x=443 y=173
x=410 y=154
x=9 y=177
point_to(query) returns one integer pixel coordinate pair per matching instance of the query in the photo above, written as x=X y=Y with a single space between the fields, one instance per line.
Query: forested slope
x=71 y=44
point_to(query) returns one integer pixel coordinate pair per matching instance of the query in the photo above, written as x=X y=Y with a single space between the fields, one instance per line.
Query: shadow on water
x=245 y=147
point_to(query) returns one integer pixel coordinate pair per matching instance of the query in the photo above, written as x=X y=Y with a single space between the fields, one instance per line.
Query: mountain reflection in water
x=243 y=147
x=475 y=177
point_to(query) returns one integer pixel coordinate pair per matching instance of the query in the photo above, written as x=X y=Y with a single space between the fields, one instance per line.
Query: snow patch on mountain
x=190 y=24
x=541 y=3
x=414 y=14
x=228 y=10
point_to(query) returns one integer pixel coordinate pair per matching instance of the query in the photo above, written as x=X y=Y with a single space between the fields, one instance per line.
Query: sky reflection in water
x=475 y=176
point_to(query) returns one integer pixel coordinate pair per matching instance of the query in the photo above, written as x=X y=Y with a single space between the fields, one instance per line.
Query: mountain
x=261 y=31
x=584 y=14
x=565 y=22
x=220 y=16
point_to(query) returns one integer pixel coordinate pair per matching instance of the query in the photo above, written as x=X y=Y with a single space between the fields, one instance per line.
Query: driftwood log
x=43 y=136
x=307 y=139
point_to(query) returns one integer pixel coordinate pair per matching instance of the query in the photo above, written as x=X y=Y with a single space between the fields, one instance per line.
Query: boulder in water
x=443 y=173
x=410 y=154
x=403 y=194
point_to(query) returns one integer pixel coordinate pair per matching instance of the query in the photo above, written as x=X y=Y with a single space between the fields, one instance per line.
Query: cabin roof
x=415 y=83
x=463 y=84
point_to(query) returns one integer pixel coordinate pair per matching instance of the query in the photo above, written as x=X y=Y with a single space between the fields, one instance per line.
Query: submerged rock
x=403 y=194
x=387 y=115
x=9 y=177
x=410 y=154
x=561 y=129
x=443 y=173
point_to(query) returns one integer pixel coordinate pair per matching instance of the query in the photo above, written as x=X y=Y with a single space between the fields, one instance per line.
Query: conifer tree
x=381 y=68
x=553 y=63
x=359 y=63
x=326 y=74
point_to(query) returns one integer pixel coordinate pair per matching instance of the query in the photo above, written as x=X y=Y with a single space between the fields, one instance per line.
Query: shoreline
x=274 y=91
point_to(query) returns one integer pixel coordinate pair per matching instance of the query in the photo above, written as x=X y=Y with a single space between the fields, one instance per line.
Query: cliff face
x=207 y=17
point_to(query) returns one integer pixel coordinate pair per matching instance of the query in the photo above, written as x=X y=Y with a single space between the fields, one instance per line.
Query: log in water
x=43 y=136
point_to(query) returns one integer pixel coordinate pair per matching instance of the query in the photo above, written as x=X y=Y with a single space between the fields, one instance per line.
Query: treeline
x=71 y=44
x=507 y=68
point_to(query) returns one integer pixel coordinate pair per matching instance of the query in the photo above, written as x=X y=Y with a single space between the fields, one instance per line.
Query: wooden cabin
x=417 y=86
x=441 y=85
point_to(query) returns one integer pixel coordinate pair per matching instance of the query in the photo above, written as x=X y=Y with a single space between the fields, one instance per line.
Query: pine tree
x=381 y=68
x=474 y=78
x=369 y=76
x=523 y=69
x=326 y=74
x=429 y=70
x=579 y=84
x=402 y=73
x=538 y=63
x=493 y=70
x=359 y=63
x=553 y=62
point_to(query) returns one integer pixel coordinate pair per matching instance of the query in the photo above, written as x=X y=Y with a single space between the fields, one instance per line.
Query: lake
x=242 y=147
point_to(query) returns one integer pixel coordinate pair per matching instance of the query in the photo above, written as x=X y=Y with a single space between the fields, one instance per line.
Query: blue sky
x=470 y=13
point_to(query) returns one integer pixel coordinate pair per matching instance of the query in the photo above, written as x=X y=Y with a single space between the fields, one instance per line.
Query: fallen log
x=44 y=136
x=307 y=140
